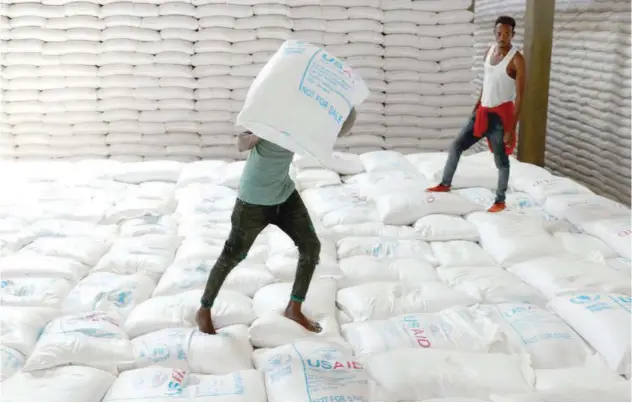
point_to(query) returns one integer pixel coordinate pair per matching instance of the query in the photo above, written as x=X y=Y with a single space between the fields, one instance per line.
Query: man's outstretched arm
x=246 y=141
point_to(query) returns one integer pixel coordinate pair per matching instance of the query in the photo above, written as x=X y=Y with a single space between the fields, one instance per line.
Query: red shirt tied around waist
x=506 y=112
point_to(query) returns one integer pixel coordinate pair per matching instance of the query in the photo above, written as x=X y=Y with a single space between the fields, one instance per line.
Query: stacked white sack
x=589 y=124
x=51 y=80
x=427 y=62
x=487 y=11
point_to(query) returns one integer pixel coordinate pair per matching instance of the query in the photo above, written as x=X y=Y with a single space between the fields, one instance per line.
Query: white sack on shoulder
x=94 y=339
x=374 y=301
x=603 y=320
x=190 y=350
x=445 y=330
x=108 y=292
x=230 y=308
x=449 y=373
x=71 y=383
x=166 y=384
x=291 y=88
x=312 y=370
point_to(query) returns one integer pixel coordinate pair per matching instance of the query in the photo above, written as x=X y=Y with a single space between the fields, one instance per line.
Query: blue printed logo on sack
x=278 y=367
x=584 y=299
x=330 y=362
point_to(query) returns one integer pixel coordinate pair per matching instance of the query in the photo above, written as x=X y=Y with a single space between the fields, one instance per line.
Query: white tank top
x=498 y=87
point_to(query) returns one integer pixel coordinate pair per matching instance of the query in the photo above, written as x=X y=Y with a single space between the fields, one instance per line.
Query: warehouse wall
x=588 y=128
x=155 y=79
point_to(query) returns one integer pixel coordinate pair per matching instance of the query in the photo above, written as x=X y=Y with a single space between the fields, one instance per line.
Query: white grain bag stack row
x=154 y=81
x=427 y=68
x=597 y=34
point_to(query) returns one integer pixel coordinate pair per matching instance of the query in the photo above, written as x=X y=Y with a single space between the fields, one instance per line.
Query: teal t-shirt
x=266 y=178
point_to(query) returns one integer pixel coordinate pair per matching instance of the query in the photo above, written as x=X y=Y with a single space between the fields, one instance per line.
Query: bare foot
x=293 y=312
x=204 y=322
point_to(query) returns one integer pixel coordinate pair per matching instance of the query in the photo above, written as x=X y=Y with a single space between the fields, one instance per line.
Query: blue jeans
x=495 y=133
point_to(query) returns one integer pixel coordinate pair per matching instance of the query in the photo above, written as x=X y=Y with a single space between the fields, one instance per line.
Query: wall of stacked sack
x=588 y=137
x=153 y=79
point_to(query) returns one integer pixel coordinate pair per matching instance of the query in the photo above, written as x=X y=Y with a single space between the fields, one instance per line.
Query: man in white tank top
x=495 y=115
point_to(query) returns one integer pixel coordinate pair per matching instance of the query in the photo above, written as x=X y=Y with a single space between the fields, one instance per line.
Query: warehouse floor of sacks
x=420 y=296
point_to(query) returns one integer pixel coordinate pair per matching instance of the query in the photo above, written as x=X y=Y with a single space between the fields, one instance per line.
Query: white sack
x=230 y=308
x=71 y=383
x=18 y=265
x=513 y=237
x=489 y=284
x=615 y=232
x=605 y=393
x=385 y=248
x=108 y=292
x=11 y=361
x=82 y=249
x=166 y=384
x=445 y=227
x=449 y=373
x=585 y=245
x=191 y=350
x=373 y=301
x=446 y=330
x=556 y=275
x=361 y=269
x=245 y=279
x=603 y=320
x=541 y=189
x=293 y=75
x=312 y=370
x=461 y=253
x=34 y=291
x=549 y=341
x=94 y=339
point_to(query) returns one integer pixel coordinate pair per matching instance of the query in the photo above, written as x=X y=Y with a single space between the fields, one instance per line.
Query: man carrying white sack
x=267 y=195
x=495 y=116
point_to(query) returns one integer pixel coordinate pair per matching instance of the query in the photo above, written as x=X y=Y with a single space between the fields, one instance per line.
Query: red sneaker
x=497 y=207
x=439 y=188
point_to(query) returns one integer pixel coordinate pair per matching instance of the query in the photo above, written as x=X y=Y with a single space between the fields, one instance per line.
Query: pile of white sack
x=420 y=296
x=147 y=81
